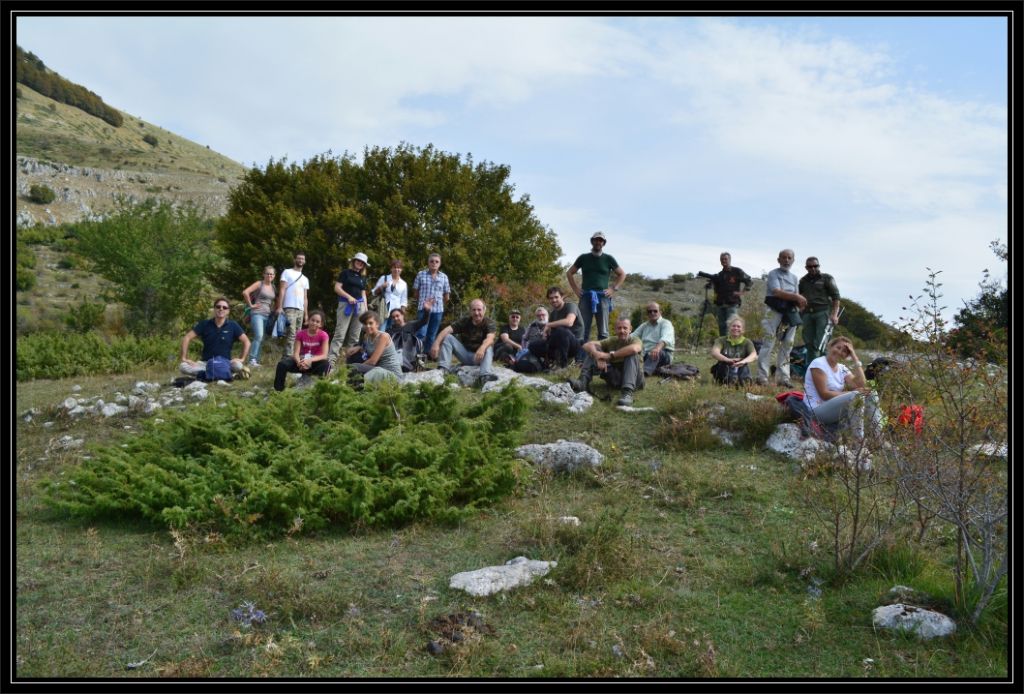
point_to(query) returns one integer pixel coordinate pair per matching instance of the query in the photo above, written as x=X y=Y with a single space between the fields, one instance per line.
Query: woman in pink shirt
x=309 y=356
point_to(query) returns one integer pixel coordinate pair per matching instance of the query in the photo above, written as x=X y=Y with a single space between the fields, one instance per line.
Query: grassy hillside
x=52 y=131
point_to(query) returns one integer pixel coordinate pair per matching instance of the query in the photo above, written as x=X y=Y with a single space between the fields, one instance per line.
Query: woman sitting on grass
x=383 y=360
x=834 y=393
x=733 y=352
x=309 y=356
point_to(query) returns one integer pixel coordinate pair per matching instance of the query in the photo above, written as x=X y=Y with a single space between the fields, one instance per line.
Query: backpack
x=686 y=372
x=218 y=369
x=528 y=364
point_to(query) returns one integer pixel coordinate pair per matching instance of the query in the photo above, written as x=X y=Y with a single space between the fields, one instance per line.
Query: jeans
x=770 y=324
x=428 y=331
x=604 y=306
x=260 y=324
x=452 y=344
x=724 y=313
x=853 y=409
x=651 y=364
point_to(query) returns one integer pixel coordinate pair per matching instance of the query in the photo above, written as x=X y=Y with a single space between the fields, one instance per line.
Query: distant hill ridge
x=88 y=162
x=32 y=72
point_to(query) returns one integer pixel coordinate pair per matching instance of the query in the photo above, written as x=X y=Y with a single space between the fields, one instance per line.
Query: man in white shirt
x=658 y=336
x=293 y=297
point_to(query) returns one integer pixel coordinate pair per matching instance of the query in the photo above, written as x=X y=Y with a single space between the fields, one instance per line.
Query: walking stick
x=828 y=331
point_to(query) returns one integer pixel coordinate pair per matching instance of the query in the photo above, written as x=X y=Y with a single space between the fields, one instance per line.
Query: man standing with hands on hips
x=595 y=295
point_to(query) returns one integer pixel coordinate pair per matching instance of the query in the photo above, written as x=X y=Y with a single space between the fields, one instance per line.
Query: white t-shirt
x=834 y=380
x=295 y=295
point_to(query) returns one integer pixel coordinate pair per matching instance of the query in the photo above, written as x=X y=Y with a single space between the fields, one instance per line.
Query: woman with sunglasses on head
x=835 y=393
x=260 y=297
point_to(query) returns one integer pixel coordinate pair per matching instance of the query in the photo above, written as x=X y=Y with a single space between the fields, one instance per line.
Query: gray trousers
x=770 y=324
x=624 y=374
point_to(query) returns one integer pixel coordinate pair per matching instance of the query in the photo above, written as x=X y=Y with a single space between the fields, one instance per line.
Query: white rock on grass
x=561 y=456
x=728 y=438
x=76 y=388
x=195 y=385
x=77 y=412
x=630 y=408
x=926 y=624
x=752 y=396
x=69 y=403
x=434 y=377
x=200 y=394
x=786 y=440
x=493 y=579
x=111 y=409
x=569 y=520
x=145 y=387
x=563 y=394
x=992 y=450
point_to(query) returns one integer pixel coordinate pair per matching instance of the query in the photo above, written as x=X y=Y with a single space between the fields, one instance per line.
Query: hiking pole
x=703 y=312
x=828 y=331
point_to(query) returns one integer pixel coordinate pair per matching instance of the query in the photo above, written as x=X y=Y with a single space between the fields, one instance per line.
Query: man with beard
x=784 y=303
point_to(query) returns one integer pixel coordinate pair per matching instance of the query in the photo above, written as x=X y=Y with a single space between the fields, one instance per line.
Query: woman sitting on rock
x=309 y=356
x=382 y=360
x=834 y=393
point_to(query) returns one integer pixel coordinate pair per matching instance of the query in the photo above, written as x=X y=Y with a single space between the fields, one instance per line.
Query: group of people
x=558 y=335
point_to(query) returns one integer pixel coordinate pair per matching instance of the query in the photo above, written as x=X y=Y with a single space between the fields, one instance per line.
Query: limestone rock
x=630 y=408
x=563 y=394
x=926 y=624
x=561 y=456
x=111 y=409
x=434 y=377
x=493 y=579
x=786 y=440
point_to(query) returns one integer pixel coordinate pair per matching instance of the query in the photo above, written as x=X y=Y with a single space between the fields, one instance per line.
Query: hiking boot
x=761 y=381
x=626 y=399
x=579 y=385
x=487 y=378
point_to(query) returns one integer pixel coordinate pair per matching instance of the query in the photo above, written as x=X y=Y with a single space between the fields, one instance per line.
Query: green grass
x=688 y=564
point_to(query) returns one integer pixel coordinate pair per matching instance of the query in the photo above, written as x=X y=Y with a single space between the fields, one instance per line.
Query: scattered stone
x=926 y=624
x=492 y=579
x=561 y=456
x=76 y=412
x=67 y=442
x=630 y=408
x=198 y=385
x=69 y=403
x=728 y=438
x=76 y=388
x=434 y=377
x=200 y=394
x=111 y=409
x=247 y=394
x=569 y=520
x=754 y=396
x=617 y=651
x=786 y=440
x=992 y=450
x=120 y=399
x=435 y=648
x=563 y=394
x=145 y=388
x=907 y=596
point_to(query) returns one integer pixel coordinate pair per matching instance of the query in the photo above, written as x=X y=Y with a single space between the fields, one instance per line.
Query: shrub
x=150 y=139
x=41 y=194
x=306 y=461
x=25 y=279
x=67 y=354
x=85 y=317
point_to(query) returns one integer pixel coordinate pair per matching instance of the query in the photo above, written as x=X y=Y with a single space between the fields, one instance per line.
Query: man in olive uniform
x=618 y=361
x=819 y=288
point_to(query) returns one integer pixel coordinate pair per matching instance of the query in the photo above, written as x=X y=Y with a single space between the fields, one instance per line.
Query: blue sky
x=877 y=144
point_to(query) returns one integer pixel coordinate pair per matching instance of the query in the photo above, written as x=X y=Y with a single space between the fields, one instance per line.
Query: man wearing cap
x=510 y=340
x=595 y=294
x=351 y=290
x=471 y=339
x=822 y=294
x=728 y=286
x=433 y=284
x=658 y=336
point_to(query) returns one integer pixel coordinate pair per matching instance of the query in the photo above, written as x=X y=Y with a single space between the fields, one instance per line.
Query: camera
x=706 y=275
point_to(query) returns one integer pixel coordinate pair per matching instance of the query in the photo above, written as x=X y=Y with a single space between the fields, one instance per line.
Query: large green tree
x=404 y=203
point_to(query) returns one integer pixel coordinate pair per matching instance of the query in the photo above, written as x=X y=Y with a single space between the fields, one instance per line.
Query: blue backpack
x=218 y=369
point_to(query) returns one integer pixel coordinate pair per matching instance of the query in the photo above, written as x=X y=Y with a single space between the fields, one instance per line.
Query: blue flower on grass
x=247 y=613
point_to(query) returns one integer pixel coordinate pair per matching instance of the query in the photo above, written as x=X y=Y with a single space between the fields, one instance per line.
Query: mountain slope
x=88 y=163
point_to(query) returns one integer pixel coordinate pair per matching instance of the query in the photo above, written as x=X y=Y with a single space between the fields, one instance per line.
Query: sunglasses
x=222 y=308
x=812 y=267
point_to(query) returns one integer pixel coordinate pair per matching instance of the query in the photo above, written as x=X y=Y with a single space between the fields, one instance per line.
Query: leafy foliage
x=150 y=139
x=33 y=73
x=310 y=460
x=983 y=323
x=158 y=257
x=41 y=194
x=66 y=354
x=25 y=277
x=398 y=203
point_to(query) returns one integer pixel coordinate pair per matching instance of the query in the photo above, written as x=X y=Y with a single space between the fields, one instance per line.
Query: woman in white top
x=835 y=393
x=393 y=290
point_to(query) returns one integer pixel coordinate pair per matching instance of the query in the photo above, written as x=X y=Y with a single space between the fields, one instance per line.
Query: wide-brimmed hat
x=362 y=257
x=599 y=235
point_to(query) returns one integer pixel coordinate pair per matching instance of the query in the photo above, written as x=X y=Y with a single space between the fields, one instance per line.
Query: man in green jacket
x=819 y=288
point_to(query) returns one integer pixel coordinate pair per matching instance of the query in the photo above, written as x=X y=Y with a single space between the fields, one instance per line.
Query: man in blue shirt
x=218 y=335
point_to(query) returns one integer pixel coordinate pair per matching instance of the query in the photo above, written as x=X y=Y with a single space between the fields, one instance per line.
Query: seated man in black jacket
x=404 y=337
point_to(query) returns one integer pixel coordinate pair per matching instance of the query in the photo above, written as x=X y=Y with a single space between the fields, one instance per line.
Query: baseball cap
x=516 y=312
x=599 y=235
